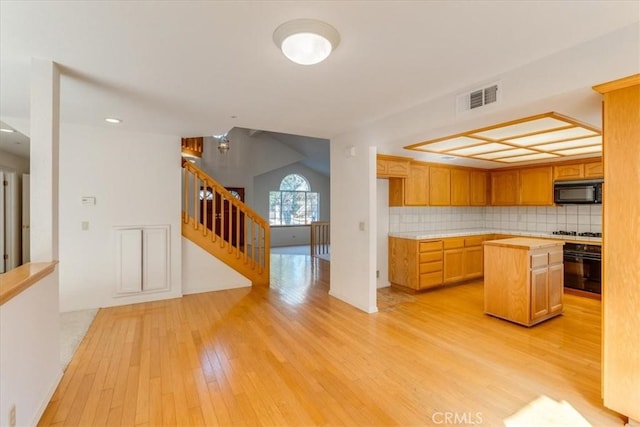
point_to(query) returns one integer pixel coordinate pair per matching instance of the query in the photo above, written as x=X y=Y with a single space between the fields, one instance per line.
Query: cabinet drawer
x=473 y=241
x=555 y=257
x=431 y=256
x=539 y=260
x=430 y=267
x=454 y=243
x=430 y=279
x=430 y=246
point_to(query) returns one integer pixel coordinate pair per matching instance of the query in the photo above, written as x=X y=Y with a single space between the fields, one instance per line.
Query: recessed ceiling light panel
x=306 y=41
x=522 y=128
x=536 y=156
x=452 y=144
x=583 y=142
x=558 y=135
x=505 y=153
x=478 y=149
x=582 y=150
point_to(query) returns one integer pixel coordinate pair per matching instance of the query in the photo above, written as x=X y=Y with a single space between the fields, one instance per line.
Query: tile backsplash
x=542 y=219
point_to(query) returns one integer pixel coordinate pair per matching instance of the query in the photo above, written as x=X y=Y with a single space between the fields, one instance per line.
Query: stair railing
x=218 y=222
x=320 y=238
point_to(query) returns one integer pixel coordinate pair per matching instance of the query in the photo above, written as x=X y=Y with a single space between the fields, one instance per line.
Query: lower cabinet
x=523 y=279
x=423 y=264
x=142 y=259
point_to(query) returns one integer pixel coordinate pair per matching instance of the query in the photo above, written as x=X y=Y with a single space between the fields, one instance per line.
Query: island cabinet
x=523 y=279
x=415 y=264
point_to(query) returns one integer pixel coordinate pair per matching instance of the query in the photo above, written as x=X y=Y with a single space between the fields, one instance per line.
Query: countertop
x=426 y=235
x=524 y=243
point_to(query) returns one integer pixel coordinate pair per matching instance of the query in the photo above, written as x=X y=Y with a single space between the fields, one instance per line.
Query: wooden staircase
x=224 y=226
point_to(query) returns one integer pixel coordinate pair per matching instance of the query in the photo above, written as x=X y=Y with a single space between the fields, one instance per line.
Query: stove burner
x=589 y=234
x=565 y=233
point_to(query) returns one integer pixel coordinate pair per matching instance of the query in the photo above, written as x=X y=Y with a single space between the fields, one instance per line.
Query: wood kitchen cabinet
x=504 y=188
x=536 y=186
x=439 y=186
x=460 y=187
x=415 y=264
x=620 y=261
x=391 y=166
x=453 y=260
x=478 y=188
x=583 y=170
x=523 y=279
x=416 y=186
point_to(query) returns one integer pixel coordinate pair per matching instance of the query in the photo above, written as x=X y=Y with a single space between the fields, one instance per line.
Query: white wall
x=270 y=181
x=30 y=351
x=249 y=156
x=570 y=72
x=14 y=163
x=135 y=178
x=202 y=272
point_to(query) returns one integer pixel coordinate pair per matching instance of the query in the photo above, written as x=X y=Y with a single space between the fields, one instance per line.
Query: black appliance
x=583 y=267
x=577 y=192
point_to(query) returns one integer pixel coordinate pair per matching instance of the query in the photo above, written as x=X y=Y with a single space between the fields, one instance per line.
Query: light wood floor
x=293 y=355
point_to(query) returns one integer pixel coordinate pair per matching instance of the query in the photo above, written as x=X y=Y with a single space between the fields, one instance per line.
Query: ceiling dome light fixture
x=306 y=41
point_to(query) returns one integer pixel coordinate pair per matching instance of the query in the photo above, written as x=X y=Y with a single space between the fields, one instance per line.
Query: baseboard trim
x=45 y=402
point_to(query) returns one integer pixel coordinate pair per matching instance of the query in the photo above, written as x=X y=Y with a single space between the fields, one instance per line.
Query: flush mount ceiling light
x=112 y=120
x=306 y=41
x=545 y=136
x=7 y=130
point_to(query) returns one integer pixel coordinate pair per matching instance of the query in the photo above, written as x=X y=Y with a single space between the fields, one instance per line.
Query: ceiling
x=201 y=68
x=13 y=143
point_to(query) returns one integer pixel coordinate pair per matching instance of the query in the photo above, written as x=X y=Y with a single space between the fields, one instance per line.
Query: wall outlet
x=85 y=225
x=12 y=416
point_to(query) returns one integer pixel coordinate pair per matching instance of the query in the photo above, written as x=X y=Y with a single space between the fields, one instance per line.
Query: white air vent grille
x=478 y=98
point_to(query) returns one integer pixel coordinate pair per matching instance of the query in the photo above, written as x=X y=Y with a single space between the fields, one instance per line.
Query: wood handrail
x=237 y=234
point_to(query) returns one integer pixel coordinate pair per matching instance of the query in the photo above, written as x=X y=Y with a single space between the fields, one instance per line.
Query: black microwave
x=577 y=192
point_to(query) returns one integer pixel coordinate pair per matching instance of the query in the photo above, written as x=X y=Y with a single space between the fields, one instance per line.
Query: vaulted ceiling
x=200 y=68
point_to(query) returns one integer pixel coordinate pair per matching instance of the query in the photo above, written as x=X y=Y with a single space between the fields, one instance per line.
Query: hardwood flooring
x=293 y=355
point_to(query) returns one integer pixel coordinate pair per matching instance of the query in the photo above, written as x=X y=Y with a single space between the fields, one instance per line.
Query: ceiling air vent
x=477 y=98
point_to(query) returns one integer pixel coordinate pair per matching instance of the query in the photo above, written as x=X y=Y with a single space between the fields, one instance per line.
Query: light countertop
x=426 y=235
x=524 y=243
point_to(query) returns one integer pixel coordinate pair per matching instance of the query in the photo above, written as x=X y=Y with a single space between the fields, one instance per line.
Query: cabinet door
x=593 y=170
x=128 y=260
x=504 y=188
x=568 y=172
x=556 y=287
x=439 y=186
x=539 y=292
x=477 y=188
x=416 y=189
x=459 y=187
x=536 y=186
x=453 y=265
x=155 y=259
x=473 y=262
x=396 y=192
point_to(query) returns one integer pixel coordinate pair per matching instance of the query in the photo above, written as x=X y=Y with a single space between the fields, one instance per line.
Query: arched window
x=294 y=203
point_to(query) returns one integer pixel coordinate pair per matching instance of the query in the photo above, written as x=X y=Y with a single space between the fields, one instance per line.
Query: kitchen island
x=523 y=279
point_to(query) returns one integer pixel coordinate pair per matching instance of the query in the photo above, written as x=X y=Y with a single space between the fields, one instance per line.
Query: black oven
x=583 y=267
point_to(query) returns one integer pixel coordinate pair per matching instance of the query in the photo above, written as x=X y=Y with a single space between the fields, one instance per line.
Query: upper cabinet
x=460 y=190
x=416 y=186
x=578 y=171
x=536 y=186
x=527 y=186
x=439 y=186
x=392 y=166
x=478 y=188
x=504 y=188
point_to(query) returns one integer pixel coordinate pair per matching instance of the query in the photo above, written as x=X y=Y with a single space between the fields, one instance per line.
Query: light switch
x=87 y=200
x=361 y=225
x=85 y=225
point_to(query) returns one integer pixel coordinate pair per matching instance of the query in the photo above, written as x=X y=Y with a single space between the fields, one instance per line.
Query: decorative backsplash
x=542 y=219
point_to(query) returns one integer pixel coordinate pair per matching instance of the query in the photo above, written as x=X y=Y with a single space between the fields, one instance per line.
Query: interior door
x=223 y=215
x=26 y=221
x=3 y=205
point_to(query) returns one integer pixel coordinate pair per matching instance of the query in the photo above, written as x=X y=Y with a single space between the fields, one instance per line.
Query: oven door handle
x=581 y=257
